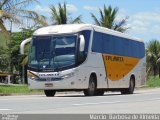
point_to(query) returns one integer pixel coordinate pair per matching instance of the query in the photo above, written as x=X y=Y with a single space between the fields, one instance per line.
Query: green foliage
x=152 y=57
x=108 y=19
x=2 y=41
x=4 y=61
x=61 y=16
x=15 y=11
x=13 y=89
x=153 y=81
x=8 y=89
x=17 y=38
x=11 y=53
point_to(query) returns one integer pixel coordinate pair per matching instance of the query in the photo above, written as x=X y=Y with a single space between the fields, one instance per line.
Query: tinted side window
x=109 y=44
x=138 y=49
x=97 y=44
x=86 y=34
x=142 y=49
x=133 y=48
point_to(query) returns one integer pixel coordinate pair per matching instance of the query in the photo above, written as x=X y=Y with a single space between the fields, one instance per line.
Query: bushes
x=153 y=81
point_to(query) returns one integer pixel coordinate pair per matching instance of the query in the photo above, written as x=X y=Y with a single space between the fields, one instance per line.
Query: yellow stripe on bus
x=118 y=66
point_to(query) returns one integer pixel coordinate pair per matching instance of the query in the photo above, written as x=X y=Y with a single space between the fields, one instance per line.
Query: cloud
x=144 y=25
x=145 y=22
x=122 y=14
x=90 y=8
x=149 y=16
x=156 y=29
x=42 y=9
x=71 y=8
x=46 y=10
x=141 y=22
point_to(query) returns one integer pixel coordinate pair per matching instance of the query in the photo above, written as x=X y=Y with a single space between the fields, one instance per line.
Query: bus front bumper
x=68 y=83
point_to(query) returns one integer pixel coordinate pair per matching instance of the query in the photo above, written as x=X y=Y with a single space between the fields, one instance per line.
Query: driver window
x=83 y=55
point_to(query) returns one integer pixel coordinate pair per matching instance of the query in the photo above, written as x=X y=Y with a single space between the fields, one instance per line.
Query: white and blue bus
x=85 y=57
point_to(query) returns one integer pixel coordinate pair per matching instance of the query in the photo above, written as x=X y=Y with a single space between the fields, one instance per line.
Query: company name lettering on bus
x=114 y=58
x=48 y=75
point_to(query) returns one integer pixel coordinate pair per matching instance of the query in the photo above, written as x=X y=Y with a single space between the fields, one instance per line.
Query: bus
x=85 y=57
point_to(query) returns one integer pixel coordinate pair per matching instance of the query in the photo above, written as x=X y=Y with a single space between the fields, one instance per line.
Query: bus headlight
x=68 y=75
x=31 y=76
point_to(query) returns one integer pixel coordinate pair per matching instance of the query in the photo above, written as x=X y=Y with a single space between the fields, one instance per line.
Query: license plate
x=48 y=84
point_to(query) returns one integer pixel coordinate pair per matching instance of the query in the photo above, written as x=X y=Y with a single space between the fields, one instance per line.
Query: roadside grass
x=19 y=89
x=153 y=81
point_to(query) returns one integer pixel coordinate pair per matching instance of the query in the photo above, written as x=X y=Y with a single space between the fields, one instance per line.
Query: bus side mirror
x=82 y=43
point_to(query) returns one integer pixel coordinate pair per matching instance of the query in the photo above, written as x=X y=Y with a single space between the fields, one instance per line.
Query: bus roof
x=73 y=28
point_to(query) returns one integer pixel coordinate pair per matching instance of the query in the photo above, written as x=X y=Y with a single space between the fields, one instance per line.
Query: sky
x=143 y=21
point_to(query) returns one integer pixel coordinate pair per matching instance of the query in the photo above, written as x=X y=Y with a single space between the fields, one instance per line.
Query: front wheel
x=49 y=93
x=91 y=91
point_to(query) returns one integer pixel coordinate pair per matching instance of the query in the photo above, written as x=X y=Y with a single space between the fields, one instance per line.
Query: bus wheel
x=99 y=92
x=49 y=93
x=129 y=90
x=131 y=86
x=91 y=91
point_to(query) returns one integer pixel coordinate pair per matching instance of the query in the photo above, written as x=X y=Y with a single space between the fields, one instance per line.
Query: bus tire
x=99 y=92
x=91 y=91
x=129 y=90
x=131 y=86
x=49 y=93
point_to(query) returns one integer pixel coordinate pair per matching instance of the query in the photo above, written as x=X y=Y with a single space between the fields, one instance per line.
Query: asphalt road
x=142 y=101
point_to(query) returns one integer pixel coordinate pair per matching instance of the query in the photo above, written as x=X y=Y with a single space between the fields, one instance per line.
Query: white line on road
x=5 y=109
x=97 y=103
x=83 y=104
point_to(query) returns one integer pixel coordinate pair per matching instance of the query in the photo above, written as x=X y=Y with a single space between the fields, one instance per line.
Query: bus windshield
x=48 y=52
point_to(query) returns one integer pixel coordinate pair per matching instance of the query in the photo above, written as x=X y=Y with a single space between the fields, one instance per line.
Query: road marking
x=5 y=109
x=83 y=104
x=29 y=97
x=97 y=103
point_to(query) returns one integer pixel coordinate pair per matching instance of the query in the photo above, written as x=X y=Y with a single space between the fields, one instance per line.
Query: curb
x=5 y=94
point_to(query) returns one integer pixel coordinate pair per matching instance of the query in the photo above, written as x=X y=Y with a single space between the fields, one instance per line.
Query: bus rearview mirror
x=82 y=43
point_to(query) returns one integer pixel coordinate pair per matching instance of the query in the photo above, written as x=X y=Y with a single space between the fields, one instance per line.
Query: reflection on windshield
x=48 y=52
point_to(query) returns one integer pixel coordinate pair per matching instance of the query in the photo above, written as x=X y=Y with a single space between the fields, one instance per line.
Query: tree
x=3 y=60
x=17 y=38
x=17 y=60
x=2 y=41
x=108 y=19
x=153 y=56
x=15 y=11
x=61 y=16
